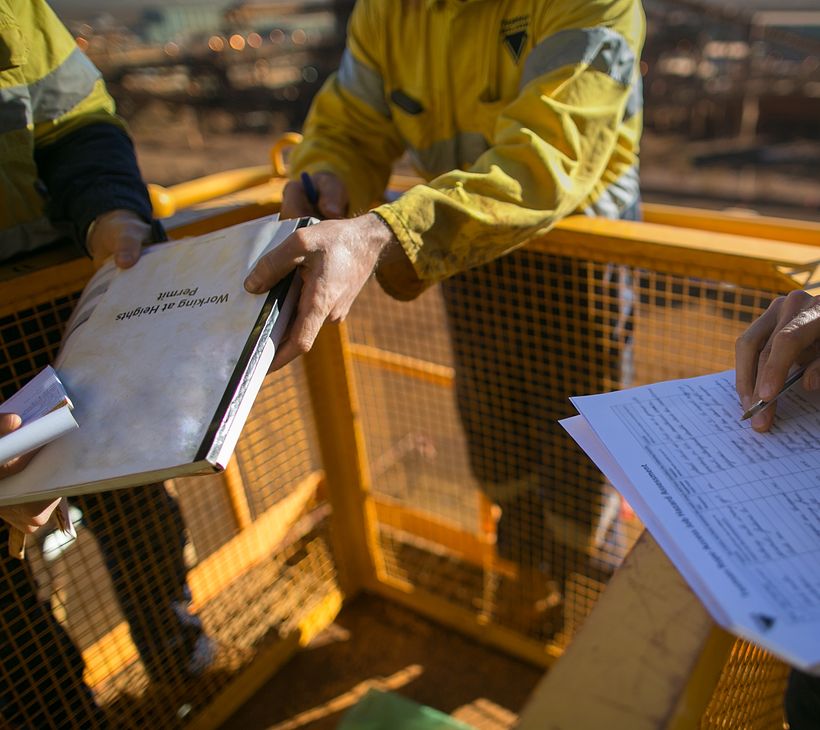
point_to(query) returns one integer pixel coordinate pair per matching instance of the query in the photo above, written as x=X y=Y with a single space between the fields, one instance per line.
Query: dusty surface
x=374 y=643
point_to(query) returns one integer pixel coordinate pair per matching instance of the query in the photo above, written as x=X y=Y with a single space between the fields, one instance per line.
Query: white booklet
x=163 y=362
x=738 y=512
x=45 y=409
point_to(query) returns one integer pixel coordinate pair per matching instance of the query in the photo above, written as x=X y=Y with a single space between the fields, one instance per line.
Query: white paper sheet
x=45 y=410
x=738 y=512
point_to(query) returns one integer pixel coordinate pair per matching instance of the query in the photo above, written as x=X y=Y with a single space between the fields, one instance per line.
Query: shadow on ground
x=375 y=643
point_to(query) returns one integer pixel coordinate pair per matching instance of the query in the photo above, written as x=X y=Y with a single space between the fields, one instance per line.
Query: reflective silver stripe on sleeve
x=634 y=102
x=363 y=82
x=66 y=86
x=15 y=109
x=617 y=197
x=26 y=237
x=600 y=48
x=444 y=155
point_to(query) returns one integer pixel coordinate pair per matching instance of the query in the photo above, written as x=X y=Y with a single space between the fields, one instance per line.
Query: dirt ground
x=375 y=643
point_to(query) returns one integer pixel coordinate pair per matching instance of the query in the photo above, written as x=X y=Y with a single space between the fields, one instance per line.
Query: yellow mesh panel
x=480 y=504
x=256 y=548
x=481 y=501
x=749 y=694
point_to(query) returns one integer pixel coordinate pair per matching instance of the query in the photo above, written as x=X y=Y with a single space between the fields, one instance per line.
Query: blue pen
x=310 y=189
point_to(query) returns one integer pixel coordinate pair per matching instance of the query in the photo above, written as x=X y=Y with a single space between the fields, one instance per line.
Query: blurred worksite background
x=732 y=91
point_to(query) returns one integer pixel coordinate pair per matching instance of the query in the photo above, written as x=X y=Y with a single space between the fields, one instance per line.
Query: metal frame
x=777 y=257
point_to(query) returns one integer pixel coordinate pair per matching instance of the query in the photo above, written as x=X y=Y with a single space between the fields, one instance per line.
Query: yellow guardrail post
x=648 y=657
x=333 y=397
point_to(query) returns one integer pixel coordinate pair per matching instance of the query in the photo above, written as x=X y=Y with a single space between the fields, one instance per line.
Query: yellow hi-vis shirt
x=516 y=112
x=47 y=89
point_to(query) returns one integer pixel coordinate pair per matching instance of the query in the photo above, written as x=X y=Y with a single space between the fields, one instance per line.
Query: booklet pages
x=158 y=360
x=738 y=512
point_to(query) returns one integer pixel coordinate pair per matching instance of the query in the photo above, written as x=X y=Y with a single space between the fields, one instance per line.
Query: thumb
x=9 y=422
x=294 y=201
x=128 y=248
x=333 y=200
x=120 y=233
x=273 y=266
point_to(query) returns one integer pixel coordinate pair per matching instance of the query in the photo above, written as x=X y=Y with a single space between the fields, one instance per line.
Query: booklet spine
x=221 y=425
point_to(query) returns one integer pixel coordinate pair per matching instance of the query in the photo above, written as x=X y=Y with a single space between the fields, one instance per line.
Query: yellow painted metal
x=736 y=222
x=277 y=153
x=466 y=622
x=703 y=678
x=413 y=367
x=34 y=285
x=338 y=423
x=647 y=658
x=110 y=654
x=753 y=262
x=478 y=549
x=674 y=242
x=267 y=662
x=237 y=495
x=167 y=201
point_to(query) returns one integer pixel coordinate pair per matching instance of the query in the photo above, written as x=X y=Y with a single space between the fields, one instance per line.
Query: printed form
x=737 y=512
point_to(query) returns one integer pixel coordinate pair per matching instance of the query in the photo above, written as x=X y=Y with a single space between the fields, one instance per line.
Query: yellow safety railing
x=354 y=470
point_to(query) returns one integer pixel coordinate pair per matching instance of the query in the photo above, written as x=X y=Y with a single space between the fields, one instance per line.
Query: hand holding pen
x=322 y=195
x=785 y=336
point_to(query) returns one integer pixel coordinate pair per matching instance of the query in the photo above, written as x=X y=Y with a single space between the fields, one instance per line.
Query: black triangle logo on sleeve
x=515 y=43
x=764 y=623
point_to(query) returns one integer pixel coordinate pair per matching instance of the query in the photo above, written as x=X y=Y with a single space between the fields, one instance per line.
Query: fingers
x=331 y=191
x=294 y=202
x=16 y=465
x=333 y=201
x=748 y=348
x=271 y=268
x=9 y=422
x=312 y=311
x=788 y=333
x=128 y=246
x=29 y=517
x=120 y=233
x=793 y=341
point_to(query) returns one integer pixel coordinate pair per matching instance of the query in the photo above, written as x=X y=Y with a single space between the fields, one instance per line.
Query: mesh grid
x=480 y=500
x=749 y=694
x=257 y=556
x=459 y=393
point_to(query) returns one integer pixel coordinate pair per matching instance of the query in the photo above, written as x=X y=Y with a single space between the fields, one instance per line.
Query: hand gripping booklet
x=162 y=363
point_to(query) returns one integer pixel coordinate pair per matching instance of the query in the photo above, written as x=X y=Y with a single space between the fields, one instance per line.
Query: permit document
x=45 y=409
x=738 y=512
x=163 y=362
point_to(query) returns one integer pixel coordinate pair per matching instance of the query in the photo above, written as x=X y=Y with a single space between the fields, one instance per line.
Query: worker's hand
x=11 y=422
x=120 y=233
x=25 y=517
x=333 y=200
x=335 y=259
x=786 y=334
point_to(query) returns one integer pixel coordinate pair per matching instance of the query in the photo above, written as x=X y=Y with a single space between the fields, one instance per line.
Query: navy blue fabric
x=89 y=172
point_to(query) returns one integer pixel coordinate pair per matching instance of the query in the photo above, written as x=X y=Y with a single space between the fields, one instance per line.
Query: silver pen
x=762 y=405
